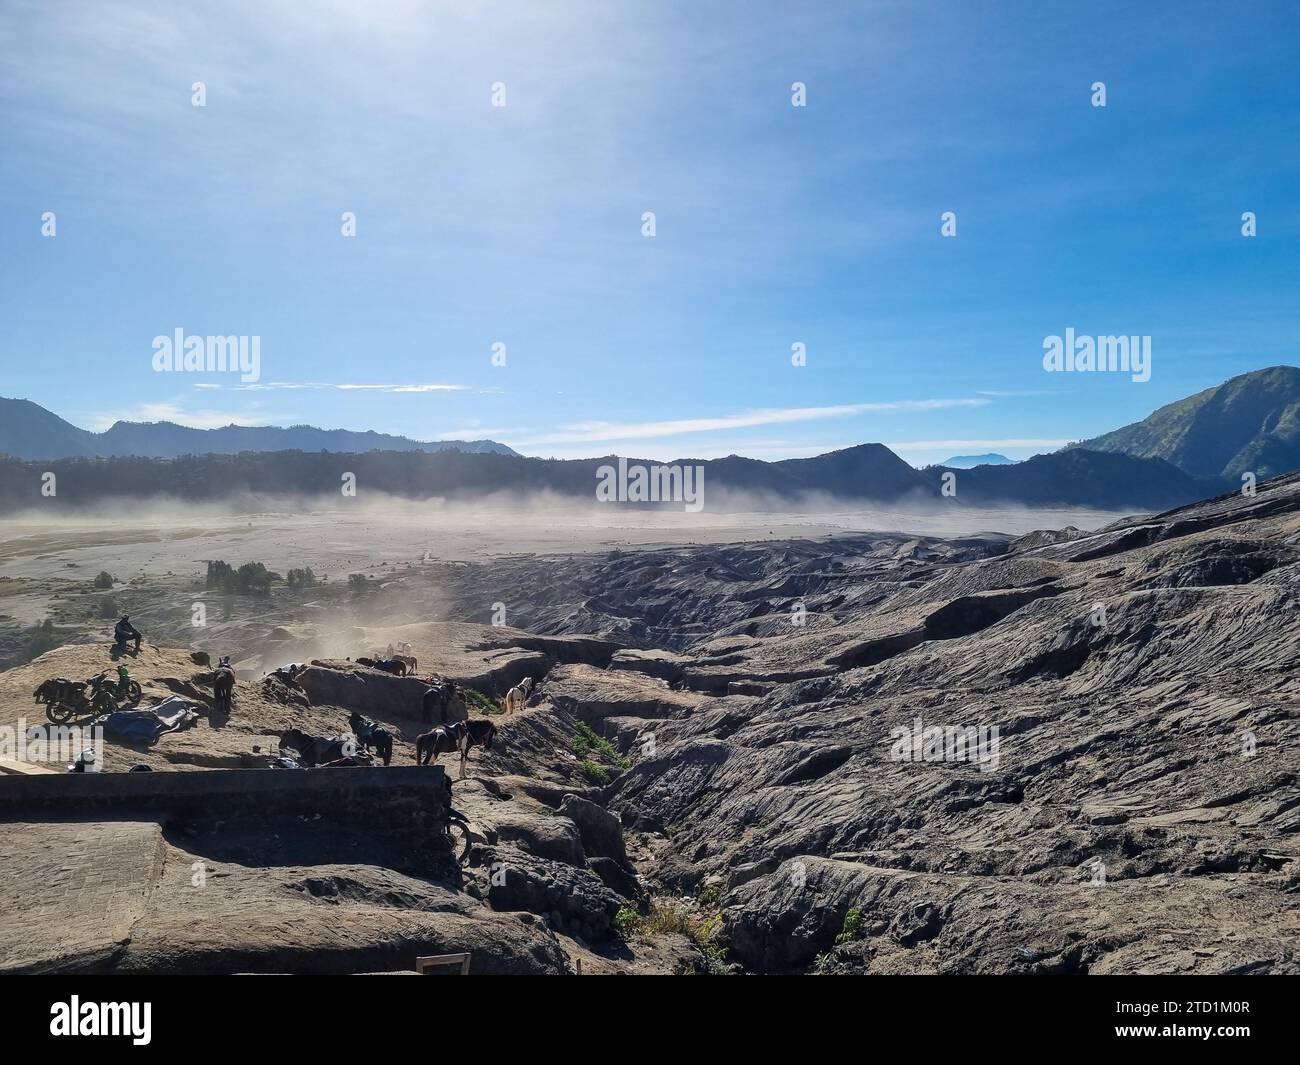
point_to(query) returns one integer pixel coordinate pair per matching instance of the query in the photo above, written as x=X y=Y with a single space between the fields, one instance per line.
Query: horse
x=436 y=702
x=317 y=750
x=477 y=732
x=409 y=662
x=370 y=735
x=517 y=697
x=385 y=665
x=223 y=686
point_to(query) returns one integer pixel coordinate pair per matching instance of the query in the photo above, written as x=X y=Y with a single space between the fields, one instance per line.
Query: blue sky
x=522 y=224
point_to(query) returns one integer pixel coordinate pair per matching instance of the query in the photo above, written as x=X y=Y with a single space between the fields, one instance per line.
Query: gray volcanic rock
x=572 y=900
x=1145 y=768
x=601 y=831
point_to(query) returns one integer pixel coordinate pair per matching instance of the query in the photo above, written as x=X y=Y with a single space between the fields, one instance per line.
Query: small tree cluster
x=252 y=578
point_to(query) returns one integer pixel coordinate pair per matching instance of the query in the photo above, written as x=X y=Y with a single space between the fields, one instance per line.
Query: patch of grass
x=589 y=747
x=594 y=772
x=484 y=704
x=705 y=931
x=852 y=927
x=710 y=894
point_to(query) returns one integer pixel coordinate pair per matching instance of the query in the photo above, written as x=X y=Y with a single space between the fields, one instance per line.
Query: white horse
x=516 y=698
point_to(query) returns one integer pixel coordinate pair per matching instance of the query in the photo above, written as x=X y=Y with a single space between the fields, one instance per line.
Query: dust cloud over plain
x=159 y=535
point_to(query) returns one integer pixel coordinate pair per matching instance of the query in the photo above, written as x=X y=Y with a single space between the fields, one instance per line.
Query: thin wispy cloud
x=950 y=445
x=174 y=412
x=582 y=432
x=270 y=386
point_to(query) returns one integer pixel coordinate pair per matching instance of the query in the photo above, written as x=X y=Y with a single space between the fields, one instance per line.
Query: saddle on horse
x=363 y=728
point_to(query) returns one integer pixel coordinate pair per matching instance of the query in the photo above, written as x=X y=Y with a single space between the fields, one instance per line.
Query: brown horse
x=385 y=665
x=461 y=736
x=223 y=686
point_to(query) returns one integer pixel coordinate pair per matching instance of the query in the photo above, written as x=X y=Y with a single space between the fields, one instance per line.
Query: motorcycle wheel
x=59 y=713
x=133 y=691
x=459 y=838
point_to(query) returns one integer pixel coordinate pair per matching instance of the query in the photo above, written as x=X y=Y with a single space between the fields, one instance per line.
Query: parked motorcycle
x=67 y=699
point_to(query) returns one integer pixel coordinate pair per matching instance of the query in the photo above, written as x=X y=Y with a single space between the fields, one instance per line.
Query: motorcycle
x=67 y=699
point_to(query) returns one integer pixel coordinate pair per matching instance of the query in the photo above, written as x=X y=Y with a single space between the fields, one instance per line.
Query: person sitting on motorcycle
x=125 y=632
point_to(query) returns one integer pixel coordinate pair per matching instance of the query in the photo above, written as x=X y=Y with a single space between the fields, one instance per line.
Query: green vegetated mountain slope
x=1250 y=423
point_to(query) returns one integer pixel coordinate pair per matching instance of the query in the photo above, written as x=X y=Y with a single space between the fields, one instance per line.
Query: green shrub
x=852 y=927
x=590 y=747
x=595 y=774
x=484 y=704
x=705 y=932
x=626 y=921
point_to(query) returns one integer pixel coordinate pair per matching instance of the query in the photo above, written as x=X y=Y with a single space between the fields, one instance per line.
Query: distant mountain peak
x=29 y=431
x=966 y=462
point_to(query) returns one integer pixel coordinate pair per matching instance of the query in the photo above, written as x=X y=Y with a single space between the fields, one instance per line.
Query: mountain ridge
x=1247 y=424
x=30 y=431
x=1194 y=448
x=868 y=472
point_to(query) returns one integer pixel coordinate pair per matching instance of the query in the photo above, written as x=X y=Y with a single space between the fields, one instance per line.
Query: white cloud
x=981 y=445
x=172 y=412
x=584 y=432
x=269 y=386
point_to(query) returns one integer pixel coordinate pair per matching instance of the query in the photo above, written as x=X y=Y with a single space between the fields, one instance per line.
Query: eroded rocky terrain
x=1137 y=811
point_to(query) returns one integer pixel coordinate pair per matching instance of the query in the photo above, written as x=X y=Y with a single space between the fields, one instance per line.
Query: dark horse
x=461 y=737
x=369 y=735
x=436 y=702
x=223 y=686
x=317 y=750
x=385 y=665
